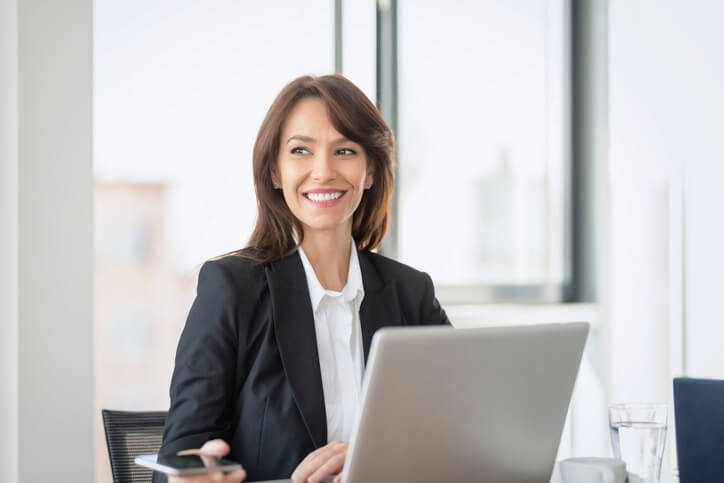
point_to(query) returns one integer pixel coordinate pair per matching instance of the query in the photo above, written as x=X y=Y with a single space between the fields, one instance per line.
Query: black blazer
x=247 y=368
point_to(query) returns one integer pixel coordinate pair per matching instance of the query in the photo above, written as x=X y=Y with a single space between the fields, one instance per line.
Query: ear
x=370 y=178
x=276 y=182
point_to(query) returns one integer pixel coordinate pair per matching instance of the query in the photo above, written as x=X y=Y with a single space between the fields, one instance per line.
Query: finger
x=324 y=452
x=191 y=478
x=209 y=460
x=213 y=447
x=184 y=452
x=305 y=468
x=315 y=459
x=331 y=467
x=338 y=478
x=327 y=464
x=319 y=451
x=312 y=458
x=235 y=476
x=216 y=477
x=309 y=464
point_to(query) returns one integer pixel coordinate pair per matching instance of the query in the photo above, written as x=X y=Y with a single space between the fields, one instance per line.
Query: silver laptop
x=464 y=405
x=443 y=404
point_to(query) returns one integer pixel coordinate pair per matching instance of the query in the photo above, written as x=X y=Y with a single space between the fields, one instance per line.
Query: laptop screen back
x=442 y=404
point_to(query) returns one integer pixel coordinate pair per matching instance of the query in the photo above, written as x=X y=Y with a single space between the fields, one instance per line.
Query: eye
x=346 y=152
x=299 y=150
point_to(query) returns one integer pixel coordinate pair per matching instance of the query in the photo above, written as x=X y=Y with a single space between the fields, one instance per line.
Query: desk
x=554 y=479
x=665 y=478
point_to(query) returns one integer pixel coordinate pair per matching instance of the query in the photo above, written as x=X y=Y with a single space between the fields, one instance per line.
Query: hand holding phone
x=197 y=465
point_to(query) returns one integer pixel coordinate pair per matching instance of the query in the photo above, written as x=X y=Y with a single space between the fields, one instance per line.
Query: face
x=321 y=173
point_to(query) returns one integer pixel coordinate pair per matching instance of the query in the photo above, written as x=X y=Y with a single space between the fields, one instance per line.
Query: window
x=481 y=125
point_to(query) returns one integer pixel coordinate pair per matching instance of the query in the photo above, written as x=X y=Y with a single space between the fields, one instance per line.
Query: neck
x=329 y=254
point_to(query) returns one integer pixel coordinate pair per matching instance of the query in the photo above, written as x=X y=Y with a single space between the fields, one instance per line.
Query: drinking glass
x=638 y=435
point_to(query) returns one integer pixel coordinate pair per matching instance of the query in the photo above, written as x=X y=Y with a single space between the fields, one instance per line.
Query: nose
x=323 y=168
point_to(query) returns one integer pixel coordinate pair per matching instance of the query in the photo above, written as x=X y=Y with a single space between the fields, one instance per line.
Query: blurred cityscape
x=141 y=301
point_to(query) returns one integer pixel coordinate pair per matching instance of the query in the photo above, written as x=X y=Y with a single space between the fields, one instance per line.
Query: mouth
x=324 y=199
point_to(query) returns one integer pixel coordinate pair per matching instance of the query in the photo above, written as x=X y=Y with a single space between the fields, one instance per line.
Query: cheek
x=359 y=175
x=290 y=194
x=288 y=175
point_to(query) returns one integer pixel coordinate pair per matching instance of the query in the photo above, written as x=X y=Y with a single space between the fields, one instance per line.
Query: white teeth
x=319 y=197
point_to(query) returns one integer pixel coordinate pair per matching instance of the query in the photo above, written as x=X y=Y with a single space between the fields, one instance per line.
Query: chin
x=323 y=225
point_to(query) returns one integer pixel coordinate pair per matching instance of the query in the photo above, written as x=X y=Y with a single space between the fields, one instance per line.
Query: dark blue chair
x=699 y=413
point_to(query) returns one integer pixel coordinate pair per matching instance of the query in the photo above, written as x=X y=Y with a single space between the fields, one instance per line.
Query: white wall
x=45 y=241
x=8 y=243
x=667 y=109
x=639 y=177
x=697 y=51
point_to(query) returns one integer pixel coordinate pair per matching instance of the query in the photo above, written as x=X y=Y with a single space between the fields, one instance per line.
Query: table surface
x=555 y=478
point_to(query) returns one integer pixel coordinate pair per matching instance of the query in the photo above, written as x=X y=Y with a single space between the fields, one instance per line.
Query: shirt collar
x=353 y=289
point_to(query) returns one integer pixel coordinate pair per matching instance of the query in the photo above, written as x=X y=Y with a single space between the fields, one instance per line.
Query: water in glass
x=641 y=445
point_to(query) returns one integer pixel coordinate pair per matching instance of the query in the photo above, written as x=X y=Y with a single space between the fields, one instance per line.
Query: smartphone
x=189 y=464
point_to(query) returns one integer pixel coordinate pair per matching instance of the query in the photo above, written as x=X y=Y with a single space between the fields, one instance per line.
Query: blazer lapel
x=380 y=306
x=296 y=337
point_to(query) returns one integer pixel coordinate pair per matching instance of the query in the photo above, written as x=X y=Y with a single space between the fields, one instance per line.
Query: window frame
x=578 y=152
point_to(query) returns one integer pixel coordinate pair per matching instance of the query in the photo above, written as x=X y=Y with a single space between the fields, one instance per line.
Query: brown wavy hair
x=357 y=119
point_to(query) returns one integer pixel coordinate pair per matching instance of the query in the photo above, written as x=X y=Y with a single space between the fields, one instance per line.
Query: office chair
x=129 y=434
x=699 y=413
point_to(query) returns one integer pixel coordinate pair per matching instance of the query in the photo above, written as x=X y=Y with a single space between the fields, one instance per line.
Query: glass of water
x=638 y=435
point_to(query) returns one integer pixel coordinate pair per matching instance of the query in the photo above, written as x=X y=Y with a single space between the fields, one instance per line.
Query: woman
x=269 y=365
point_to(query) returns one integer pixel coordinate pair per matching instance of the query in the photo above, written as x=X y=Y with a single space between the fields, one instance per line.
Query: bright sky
x=181 y=87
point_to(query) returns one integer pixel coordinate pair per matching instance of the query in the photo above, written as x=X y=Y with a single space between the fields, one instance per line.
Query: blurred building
x=141 y=301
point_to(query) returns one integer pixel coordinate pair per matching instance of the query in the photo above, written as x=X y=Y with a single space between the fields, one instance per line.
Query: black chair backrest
x=128 y=434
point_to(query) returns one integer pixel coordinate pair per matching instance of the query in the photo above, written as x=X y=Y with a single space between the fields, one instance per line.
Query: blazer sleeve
x=431 y=312
x=207 y=357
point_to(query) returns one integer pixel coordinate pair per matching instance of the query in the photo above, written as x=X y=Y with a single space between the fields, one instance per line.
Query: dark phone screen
x=192 y=461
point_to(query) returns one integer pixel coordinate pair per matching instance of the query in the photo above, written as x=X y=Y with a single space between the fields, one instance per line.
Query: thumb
x=215 y=447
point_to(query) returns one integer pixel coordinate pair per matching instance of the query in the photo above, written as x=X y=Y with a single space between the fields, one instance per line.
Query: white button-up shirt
x=339 y=344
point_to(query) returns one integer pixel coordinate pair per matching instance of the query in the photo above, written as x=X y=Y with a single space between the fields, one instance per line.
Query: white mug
x=592 y=470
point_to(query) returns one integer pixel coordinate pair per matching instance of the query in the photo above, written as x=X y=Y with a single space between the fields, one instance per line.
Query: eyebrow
x=308 y=139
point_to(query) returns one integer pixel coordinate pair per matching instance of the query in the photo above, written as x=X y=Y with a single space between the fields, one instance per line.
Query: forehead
x=309 y=115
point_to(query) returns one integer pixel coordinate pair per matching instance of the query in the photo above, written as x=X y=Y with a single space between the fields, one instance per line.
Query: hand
x=214 y=447
x=321 y=463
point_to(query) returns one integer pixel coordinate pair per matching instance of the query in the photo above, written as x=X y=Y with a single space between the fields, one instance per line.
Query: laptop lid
x=699 y=416
x=442 y=404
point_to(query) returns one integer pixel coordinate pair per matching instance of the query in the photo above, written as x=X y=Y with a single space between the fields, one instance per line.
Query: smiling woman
x=322 y=176
x=269 y=366
x=312 y=124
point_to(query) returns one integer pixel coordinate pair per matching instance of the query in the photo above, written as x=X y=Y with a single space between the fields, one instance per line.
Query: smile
x=323 y=197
